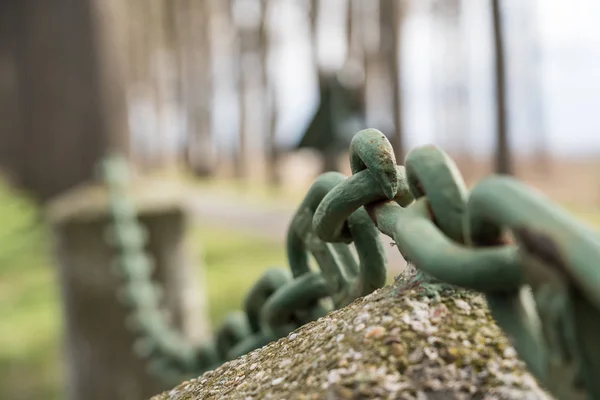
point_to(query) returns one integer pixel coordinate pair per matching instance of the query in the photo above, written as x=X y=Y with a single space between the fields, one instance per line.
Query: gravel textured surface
x=417 y=341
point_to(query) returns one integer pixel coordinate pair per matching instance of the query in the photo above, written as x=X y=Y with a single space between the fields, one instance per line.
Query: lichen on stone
x=414 y=339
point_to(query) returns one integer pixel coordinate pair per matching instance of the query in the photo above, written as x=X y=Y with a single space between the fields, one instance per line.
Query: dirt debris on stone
x=427 y=341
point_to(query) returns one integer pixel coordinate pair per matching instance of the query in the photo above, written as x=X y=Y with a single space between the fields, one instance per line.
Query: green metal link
x=169 y=355
x=301 y=226
x=422 y=243
x=323 y=253
x=206 y=357
x=542 y=229
x=560 y=263
x=543 y=290
x=371 y=154
x=272 y=280
x=251 y=343
x=543 y=287
x=346 y=281
x=370 y=149
x=233 y=330
x=432 y=174
x=279 y=314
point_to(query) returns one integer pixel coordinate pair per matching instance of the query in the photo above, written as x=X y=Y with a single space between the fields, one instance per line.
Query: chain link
x=170 y=355
x=276 y=305
x=542 y=284
x=535 y=264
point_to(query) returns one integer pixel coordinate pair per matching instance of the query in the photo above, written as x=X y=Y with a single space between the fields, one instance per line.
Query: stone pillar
x=101 y=362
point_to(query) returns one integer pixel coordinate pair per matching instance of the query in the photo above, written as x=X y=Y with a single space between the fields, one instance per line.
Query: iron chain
x=535 y=264
x=276 y=305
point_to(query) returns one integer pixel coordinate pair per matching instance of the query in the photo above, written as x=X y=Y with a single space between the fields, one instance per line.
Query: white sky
x=569 y=75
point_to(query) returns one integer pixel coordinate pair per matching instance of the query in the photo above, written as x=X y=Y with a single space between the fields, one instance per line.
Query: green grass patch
x=233 y=262
x=30 y=316
x=29 y=306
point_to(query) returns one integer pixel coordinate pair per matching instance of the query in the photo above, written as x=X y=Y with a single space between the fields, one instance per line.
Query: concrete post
x=99 y=347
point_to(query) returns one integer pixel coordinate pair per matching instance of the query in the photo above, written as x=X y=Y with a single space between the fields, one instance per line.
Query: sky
x=568 y=74
x=553 y=84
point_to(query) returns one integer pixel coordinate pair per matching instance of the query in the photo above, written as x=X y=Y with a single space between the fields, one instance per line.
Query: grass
x=29 y=307
x=30 y=315
x=233 y=263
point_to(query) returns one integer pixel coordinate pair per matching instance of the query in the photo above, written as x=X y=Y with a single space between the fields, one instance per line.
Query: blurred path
x=264 y=220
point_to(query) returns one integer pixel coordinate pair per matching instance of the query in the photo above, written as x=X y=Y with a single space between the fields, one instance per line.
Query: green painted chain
x=276 y=305
x=535 y=264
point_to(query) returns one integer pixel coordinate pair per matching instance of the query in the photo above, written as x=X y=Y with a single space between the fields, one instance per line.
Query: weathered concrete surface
x=401 y=342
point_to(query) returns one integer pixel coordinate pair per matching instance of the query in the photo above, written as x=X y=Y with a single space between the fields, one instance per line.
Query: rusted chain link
x=536 y=266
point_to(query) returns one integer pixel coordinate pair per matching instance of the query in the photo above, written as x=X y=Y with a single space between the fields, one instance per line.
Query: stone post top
x=408 y=340
x=90 y=201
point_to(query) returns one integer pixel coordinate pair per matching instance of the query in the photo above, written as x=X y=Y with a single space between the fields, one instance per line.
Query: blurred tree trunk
x=153 y=92
x=138 y=89
x=390 y=23
x=542 y=157
x=164 y=81
x=313 y=13
x=66 y=78
x=503 y=154
x=155 y=46
x=142 y=93
x=330 y=155
x=350 y=30
x=268 y=92
x=370 y=26
x=355 y=32
x=450 y=72
x=172 y=82
x=238 y=58
x=11 y=130
x=314 y=38
x=195 y=85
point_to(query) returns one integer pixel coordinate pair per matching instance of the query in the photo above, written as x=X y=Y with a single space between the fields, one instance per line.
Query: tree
x=239 y=57
x=390 y=24
x=66 y=90
x=341 y=109
x=339 y=115
x=268 y=93
x=314 y=33
x=329 y=155
x=503 y=162
x=451 y=70
x=354 y=31
x=193 y=21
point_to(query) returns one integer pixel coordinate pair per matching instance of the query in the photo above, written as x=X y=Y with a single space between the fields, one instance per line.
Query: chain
x=170 y=356
x=533 y=262
x=278 y=303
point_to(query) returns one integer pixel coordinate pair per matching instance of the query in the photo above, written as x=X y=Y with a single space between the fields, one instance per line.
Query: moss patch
x=404 y=341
